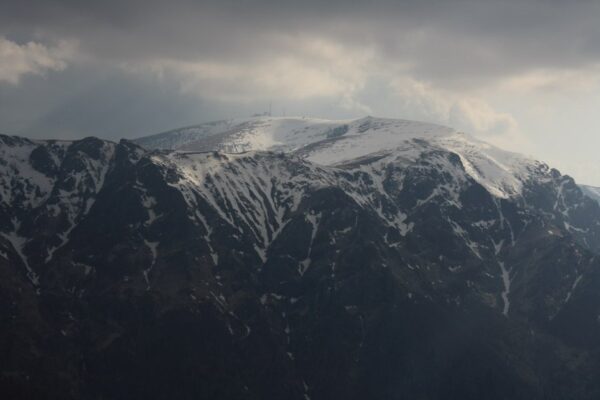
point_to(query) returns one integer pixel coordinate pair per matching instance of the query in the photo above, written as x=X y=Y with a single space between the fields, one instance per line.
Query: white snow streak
x=577 y=280
x=506 y=281
x=314 y=223
x=153 y=246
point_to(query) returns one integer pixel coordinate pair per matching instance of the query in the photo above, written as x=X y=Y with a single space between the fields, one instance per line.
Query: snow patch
x=506 y=280
x=573 y=287
x=153 y=246
x=314 y=221
x=18 y=243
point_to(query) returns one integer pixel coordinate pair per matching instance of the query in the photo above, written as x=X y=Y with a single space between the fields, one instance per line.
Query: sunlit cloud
x=31 y=58
x=311 y=68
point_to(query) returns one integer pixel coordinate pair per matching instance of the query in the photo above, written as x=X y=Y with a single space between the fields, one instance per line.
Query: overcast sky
x=521 y=74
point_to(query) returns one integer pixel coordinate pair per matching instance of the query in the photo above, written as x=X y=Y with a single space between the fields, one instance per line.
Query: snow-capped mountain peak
x=339 y=142
x=288 y=133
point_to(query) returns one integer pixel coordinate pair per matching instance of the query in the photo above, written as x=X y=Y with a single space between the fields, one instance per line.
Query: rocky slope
x=330 y=259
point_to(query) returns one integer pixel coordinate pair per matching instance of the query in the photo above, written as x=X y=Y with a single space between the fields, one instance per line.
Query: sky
x=524 y=75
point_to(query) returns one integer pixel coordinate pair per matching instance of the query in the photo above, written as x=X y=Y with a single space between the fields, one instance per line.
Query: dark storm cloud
x=102 y=85
x=441 y=40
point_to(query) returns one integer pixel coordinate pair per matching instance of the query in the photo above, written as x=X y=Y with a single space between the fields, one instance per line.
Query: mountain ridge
x=338 y=142
x=269 y=275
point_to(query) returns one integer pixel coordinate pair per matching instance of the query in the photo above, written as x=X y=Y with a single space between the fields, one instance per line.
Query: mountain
x=591 y=191
x=295 y=258
x=341 y=142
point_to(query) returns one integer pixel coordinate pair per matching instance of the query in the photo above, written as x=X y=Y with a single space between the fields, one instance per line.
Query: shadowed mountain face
x=408 y=262
x=591 y=191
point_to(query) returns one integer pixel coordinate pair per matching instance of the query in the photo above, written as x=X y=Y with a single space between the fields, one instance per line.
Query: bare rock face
x=427 y=266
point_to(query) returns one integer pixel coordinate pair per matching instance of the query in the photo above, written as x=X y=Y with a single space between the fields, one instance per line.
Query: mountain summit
x=335 y=143
x=295 y=258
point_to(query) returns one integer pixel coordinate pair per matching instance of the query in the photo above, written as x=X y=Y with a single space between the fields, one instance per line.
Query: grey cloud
x=30 y=58
x=452 y=45
x=441 y=40
x=113 y=104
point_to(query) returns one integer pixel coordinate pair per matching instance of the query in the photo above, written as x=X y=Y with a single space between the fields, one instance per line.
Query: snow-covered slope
x=48 y=184
x=239 y=135
x=341 y=142
x=386 y=151
x=292 y=134
x=16 y=171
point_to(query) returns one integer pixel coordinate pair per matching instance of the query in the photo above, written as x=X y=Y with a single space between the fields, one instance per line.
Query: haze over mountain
x=275 y=258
